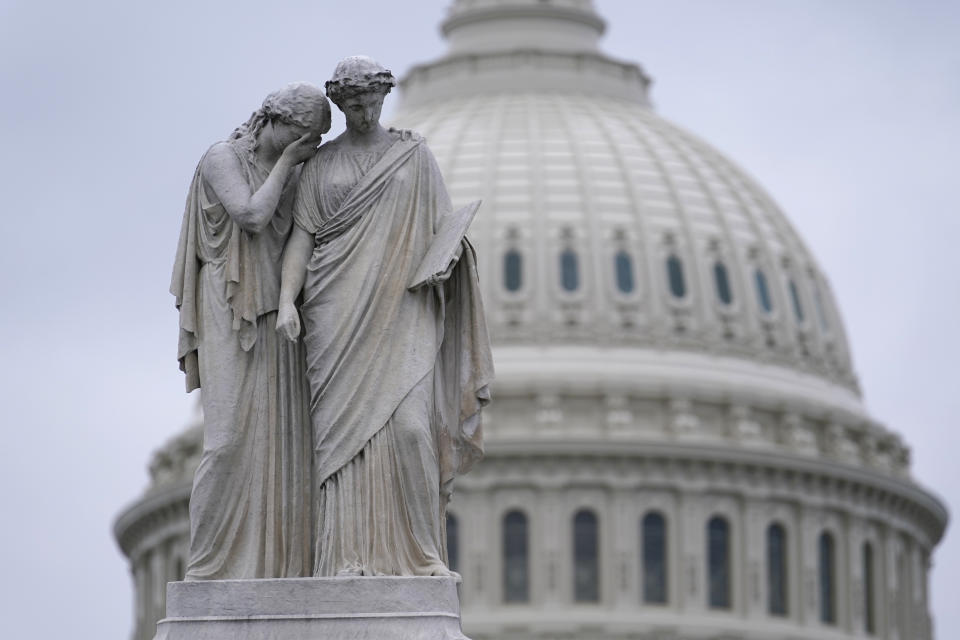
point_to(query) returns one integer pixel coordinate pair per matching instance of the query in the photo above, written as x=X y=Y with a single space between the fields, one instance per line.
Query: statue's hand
x=302 y=149
x=405 y=134
x=443 y=277
x=288 y=322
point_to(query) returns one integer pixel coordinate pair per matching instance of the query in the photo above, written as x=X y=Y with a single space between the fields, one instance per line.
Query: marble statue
x=397 y=374
x=251 y=501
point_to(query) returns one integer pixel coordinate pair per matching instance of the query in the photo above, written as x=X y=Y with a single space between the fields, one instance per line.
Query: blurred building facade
x=678 y=446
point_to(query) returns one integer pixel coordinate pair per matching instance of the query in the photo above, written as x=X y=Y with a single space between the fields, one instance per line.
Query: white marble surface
x=374 y=608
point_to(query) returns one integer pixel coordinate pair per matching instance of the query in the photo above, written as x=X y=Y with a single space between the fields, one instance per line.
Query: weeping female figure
x=250 y=504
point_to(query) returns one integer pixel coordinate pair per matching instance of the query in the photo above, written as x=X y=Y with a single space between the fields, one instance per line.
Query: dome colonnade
x=658 y=511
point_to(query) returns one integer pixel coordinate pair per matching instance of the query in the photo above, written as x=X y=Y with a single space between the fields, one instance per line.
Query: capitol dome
x=677 y=447
x=604 y=226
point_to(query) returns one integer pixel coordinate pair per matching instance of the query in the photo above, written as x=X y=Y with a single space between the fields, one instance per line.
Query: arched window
x=718 y=563
x=828 y=604
x=516 y=581
x=654 y=531
x=623 y=267
x=569 y=270
x=586 y=557
x=722 y=281
x=776 y=570
x=512 y=270
x=797 y=306
x=453 y=543
x=678 y=286
x=869 y=610
x=763 y=291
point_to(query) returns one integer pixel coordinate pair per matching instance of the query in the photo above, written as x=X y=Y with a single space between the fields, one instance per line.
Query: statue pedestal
x=364 y=608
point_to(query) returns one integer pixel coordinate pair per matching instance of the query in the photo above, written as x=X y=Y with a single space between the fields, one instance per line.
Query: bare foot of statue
x=441 y=571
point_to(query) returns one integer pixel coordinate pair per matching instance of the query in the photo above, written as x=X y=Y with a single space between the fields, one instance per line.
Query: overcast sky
x=847 y=112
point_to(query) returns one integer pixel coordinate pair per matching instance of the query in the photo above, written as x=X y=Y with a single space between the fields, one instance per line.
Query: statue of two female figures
x=332 y=454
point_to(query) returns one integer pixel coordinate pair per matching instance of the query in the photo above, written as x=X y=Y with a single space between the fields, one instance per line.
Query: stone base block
x=362 y=608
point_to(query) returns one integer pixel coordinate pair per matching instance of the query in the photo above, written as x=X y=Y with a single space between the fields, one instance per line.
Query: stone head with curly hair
x=357 y=75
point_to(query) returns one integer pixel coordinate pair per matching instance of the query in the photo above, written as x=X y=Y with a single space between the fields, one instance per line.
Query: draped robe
x=250 y=504
x=397 y=377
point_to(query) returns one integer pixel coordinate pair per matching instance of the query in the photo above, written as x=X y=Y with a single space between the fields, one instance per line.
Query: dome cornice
x=524 y=69
x=662 y=370
x=541 y=11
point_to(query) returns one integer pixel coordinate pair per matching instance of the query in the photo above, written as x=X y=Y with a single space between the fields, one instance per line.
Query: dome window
x=763 y=291
x=722 y=281
x=453 y=542
x=828 y=590
x=718 y=563
x=821 y=311
x=569 y=270
x=586 y=557
x=512 y=270
x=678 y=286
x=795 y=297
x=623 y=268
x=777 y=570
x=654 y=529
x=869 y=610
x=516 y=575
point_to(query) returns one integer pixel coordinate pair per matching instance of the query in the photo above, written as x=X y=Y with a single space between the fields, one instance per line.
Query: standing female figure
x=250 y=505
x=397 y=376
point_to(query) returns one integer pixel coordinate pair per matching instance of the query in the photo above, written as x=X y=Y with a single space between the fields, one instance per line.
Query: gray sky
x=847 y=112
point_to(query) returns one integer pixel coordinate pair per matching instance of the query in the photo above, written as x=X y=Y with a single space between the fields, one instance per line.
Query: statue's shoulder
x=406 y=134
x=220 y=154
x=329 y=147
x=324 y=151
x=220 y=161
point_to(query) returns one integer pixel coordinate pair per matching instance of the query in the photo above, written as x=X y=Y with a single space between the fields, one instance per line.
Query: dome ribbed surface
x=635 y=200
